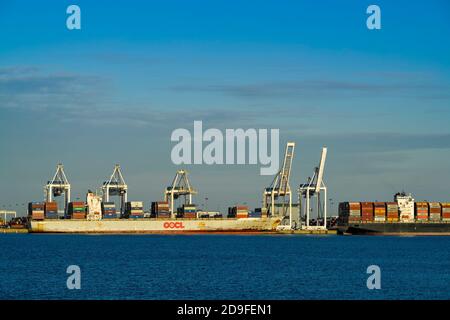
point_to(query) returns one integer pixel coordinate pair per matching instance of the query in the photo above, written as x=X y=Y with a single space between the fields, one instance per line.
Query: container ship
x=114 y=226
x=94 y=216
x=402 y=216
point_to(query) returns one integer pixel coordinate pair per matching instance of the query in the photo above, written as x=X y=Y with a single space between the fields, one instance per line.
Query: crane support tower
x=278 y=194
x=6 y=213
x=180 y=187
x=59 y=185
x=313 y=188
x=116 y=186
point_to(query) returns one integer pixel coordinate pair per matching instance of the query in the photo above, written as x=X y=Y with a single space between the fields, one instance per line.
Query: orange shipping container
x=78 y=216
x=51 y=205
x=422 y=204
x=37 y=215
x=367 y=204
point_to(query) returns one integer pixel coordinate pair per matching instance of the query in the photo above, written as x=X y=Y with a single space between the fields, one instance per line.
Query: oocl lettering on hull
x=173 y=225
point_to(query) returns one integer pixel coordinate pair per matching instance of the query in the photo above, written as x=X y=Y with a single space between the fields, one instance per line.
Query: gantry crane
x=180 y=187
x=313 y=188
x=116 y=186
x=279 y=191
x=59 y=185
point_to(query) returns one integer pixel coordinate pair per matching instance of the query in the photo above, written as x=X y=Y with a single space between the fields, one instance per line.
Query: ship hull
x=156 y=226
x=428 y=228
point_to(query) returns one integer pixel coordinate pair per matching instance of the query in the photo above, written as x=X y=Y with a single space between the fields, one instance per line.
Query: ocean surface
x=33 y=266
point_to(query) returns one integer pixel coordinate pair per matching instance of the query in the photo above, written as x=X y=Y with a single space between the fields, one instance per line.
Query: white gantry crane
x=180 y=187
x=313 y=188
x=279 y=192
x=59 y=185
x=116 y=186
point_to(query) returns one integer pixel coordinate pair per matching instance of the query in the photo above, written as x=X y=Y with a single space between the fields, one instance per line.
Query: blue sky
x=114 y=91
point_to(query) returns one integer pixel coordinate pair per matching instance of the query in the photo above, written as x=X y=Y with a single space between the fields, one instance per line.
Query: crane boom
x=287 y=165
x=321 y=169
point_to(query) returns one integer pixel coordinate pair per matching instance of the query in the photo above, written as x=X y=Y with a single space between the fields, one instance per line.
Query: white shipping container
x=435 y=205
x=136 y=204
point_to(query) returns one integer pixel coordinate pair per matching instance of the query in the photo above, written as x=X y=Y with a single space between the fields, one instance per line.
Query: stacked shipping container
x=392 y=211
x=109 y=210
x=51 y=210
x=134 y=209
x=189 y=211
x=421 y=211
x=354 y=211
x=445 y=211
x=435 y=211
x=350 y=212
x=36 y=210
x=238 y=212
x=77 y=210
x=379 y=211
x=160 y=209
x=366 y=211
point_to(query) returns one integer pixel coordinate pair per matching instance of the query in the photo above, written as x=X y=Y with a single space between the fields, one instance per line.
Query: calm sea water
x=223 y=267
